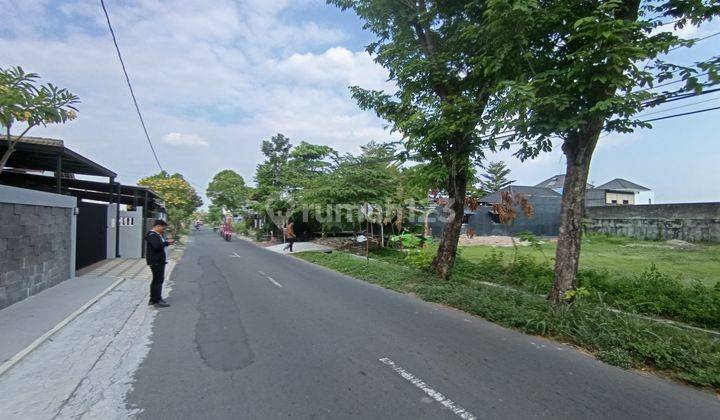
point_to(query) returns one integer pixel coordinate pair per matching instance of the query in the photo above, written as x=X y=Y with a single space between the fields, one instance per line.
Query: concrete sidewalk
x=27 y=320
x=84 y=368
x=300 y=247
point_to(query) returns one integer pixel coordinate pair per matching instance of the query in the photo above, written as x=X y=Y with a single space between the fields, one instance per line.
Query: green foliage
x=405 y=240
x=440 y=57
x=495 y=177
x=655 y=293
x=619 y=339
x=214 y=215
x=372 y=177
x=421 y=258
x=227 y=189
x=179 y=196
x=23 y=100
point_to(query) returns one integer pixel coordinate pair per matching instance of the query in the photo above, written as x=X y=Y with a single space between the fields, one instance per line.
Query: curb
x=39 y=341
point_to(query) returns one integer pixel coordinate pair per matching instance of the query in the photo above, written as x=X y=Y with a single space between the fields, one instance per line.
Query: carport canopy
x=37 y=153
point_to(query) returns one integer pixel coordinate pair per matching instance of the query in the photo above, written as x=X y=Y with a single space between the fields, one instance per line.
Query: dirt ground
x=492 y=240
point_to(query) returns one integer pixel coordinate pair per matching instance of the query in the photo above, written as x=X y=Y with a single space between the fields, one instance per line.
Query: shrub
x=405 y=240
x=658 y=294
x=421 y=258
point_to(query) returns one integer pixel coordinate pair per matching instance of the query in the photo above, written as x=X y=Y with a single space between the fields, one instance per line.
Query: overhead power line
x=678 y=107
x=696 y=41
x=127 y=79
x=682 y=114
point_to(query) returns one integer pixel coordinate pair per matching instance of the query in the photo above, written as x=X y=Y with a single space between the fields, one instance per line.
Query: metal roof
x=37 y=153
x=527 y=191
x=619 y=184
x=556 y=181
x=82 y=189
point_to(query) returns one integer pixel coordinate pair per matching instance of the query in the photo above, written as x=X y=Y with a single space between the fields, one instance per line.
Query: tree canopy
x=179 y=196
x=23 y=100
x=227 y=189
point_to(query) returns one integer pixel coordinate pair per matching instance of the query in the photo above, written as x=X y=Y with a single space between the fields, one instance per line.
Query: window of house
x=626 y=202
x=613 y=201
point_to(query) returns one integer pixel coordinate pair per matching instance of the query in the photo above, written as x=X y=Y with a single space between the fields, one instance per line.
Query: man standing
x=156 y=259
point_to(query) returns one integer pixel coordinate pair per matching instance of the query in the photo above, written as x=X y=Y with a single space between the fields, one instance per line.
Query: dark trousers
x=158 y=272
x=290 y=242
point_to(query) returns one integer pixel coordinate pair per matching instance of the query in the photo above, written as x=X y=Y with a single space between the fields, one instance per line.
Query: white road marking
x=444 y=401
x=235 y=255
x=271 y=279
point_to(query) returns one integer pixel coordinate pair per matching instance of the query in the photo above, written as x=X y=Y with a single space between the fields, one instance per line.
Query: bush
x=405 y=240
x=650 y=293
x=657 y=294
x=421 y=258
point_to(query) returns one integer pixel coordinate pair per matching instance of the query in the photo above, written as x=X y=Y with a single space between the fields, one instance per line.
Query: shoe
x=161 y=304
x=151 y=303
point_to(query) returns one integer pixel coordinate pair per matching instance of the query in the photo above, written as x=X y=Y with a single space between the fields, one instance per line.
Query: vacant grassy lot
x=624 y=256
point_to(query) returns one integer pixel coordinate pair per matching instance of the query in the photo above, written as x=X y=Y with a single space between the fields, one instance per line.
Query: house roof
x=556 y=181
x=619 y=184
x=527 y=191
x=37 y=153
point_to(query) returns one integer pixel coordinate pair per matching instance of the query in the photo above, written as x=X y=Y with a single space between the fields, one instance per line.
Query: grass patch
x=622 y=256
x=617 y=339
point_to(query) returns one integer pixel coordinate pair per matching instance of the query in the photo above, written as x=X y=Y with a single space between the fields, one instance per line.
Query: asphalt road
x=252 y=334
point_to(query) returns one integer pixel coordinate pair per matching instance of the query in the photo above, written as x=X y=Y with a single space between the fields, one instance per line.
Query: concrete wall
x=689 y=222
x=131 y=232
x=37 y=242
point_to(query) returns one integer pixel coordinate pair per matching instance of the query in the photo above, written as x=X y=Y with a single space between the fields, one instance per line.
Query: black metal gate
x=91 y=233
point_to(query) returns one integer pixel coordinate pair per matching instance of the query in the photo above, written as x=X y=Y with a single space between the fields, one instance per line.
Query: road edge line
x=40 y=340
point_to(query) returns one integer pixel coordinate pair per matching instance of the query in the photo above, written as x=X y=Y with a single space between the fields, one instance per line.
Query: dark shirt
x=155 y=253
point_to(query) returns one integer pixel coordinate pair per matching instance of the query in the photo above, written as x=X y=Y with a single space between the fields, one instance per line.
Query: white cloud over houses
x=180 y=139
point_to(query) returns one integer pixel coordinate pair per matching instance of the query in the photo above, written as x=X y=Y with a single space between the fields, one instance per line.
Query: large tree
x=353 y=180
x=227 y=189
x=593 y=65
x=24 y=101
x=438 y=54
x=271 y=175
x=179 y=196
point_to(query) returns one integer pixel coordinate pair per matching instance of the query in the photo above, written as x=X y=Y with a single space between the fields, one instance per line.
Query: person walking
x=156 y=259
x=290 y=236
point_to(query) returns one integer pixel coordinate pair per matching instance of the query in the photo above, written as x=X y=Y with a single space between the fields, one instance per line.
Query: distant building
x=545 y=221
x=618 y=192
x=556 y=183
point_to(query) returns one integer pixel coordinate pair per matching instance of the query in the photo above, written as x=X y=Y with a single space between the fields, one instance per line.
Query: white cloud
x=180 y=139
x=234 y=72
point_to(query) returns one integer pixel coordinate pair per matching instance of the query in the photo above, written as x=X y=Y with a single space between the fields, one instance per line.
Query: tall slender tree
x=495 y=177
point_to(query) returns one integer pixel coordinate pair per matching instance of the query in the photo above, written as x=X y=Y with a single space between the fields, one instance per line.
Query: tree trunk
x=6 y=157
x=578 y=149
x=447 y=248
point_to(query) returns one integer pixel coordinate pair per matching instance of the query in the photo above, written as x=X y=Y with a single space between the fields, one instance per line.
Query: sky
x=216 y=78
